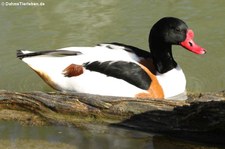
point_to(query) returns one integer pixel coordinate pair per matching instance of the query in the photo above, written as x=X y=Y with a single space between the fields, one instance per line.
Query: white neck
x=173 y=83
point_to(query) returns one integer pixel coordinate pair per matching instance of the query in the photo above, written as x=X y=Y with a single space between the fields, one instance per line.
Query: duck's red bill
x=190 y=45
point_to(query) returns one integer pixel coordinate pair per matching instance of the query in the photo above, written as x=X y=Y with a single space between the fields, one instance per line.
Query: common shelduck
x=116 y=69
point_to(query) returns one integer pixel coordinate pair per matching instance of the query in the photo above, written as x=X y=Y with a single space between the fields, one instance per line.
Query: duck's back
x=106 y=69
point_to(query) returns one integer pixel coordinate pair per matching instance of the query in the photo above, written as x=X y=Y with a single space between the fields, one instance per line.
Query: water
x=87 y=23
x=69 y=137
x=101 y=137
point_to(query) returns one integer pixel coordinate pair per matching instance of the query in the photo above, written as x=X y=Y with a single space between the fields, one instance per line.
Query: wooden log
x=201 y=117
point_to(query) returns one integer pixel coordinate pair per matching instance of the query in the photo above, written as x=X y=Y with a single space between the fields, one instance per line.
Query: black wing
x=128 y=71
x=22 y=55
x=139 y=52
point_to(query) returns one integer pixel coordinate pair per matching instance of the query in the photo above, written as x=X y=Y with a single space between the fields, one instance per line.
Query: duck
x=117 y=69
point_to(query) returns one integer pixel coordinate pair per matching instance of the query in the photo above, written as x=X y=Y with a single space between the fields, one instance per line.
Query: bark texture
x=201 y=117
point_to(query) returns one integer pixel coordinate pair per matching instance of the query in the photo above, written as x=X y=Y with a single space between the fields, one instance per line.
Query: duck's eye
x=177 y=29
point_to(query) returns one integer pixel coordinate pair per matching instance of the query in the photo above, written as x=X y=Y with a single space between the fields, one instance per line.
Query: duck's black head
x=166 y=32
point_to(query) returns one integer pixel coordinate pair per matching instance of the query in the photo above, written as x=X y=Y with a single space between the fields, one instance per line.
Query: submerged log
x=201 y=117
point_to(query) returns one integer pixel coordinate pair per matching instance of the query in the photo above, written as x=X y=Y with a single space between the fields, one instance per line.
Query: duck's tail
x=21 y=54
x=24 y=54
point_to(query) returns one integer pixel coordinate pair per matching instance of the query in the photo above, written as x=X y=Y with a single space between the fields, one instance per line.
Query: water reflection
x=97 y=138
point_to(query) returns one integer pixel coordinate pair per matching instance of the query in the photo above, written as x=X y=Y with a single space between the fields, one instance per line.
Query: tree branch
x=200 y=117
